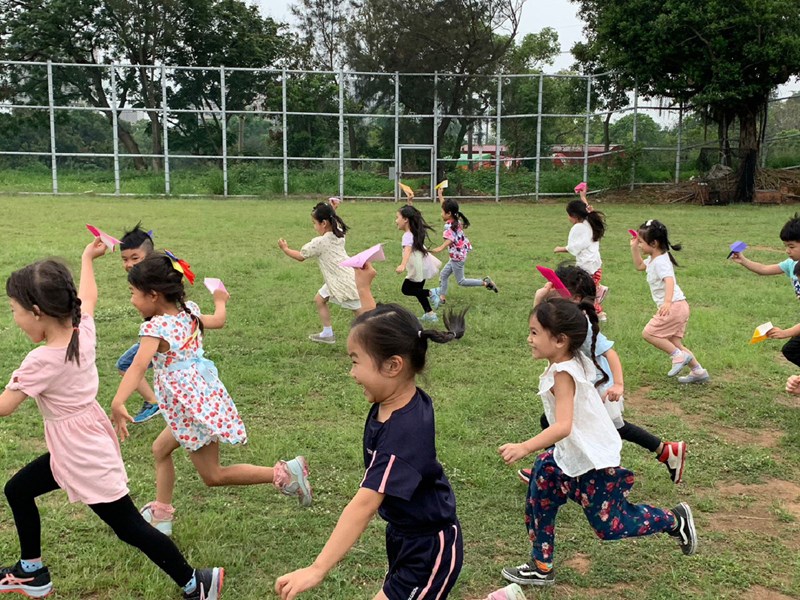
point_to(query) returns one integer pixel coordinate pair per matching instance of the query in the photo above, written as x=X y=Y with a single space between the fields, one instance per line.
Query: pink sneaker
x=510 y=592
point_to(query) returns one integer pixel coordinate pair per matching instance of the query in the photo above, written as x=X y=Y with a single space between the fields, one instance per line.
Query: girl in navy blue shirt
x=404 y=481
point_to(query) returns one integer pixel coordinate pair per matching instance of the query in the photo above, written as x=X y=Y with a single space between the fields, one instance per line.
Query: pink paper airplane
x=213 y=284
x=109 y=240
x=374 y=254
x=633 y=233
x=551 y=276
x=581 y=187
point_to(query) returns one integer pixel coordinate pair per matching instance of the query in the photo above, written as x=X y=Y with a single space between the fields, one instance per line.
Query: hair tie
x=648 y=223
x=75 y=328
x=419 y=334
x=181 y=266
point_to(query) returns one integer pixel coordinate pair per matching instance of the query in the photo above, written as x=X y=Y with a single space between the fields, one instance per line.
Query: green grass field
x=743 y=472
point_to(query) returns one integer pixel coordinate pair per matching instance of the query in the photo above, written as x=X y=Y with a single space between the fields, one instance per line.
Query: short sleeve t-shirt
x=788 y=266
x=459 y=243
x=585 y=250
x=415 y=266
x=400 y=461
x=658 y=269
x=329 y=250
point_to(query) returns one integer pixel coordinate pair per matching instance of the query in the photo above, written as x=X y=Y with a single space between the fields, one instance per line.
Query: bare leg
x=323 y=310
x=380 y=596
x=163 y=448
x=663 y=344
x=146 y=391
x=206 y=461
x=678 y=342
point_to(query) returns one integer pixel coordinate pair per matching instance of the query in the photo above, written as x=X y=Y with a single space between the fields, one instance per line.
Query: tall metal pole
x=678 y=150
x=284 y=130
x=114 y=126
x=51 y=104
x=341 y=133
x=497 y=139
x=635 y=133
x=539 y=135
x=586 y=134
x=222 y=105
x=435 y=113
x=396 y=136
x=165 y=141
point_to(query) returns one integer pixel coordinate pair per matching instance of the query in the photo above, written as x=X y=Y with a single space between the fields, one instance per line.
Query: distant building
x=564 y=156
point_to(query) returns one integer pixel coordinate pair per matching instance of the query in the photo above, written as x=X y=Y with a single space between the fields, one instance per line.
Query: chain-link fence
x=147 y=129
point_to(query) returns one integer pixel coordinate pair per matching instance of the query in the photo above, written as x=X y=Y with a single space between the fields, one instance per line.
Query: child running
x=580 y=284
x=135 y=246
x=339 y=285
x=83 y=455
x=418 y=263
x=458 y=246
x=584 y=465
x=667 y=328
x=588 y=228
x=790 y=236
x=195 y=404
x=404 y=482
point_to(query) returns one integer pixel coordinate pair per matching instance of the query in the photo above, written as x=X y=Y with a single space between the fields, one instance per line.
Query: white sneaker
x=322 y=339
x=695 y=377
x=602 y=292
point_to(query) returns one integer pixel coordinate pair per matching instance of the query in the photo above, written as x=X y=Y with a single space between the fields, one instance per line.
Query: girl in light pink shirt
x=83 y=455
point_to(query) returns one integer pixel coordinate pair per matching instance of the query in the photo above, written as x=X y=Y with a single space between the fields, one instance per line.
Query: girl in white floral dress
x=195 y=404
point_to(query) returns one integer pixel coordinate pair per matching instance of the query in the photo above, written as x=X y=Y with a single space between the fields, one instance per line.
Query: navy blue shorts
x=126 y=360
x=423 y=567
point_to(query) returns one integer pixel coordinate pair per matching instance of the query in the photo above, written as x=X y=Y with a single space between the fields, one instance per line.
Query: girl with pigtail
x=418 y=263
x=582 y=463
x=83 y=456
x=588 y=228
x=197 y=408
x=458 y=245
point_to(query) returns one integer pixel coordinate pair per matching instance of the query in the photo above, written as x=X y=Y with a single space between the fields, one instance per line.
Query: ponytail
x=455 y=325
x=577 y=209
x=450 y=207
x=588 y=307
x=324 y=212
x=74 y=347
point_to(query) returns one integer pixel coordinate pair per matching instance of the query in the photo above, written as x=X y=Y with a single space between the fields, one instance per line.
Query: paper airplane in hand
x=737 y=247
x=374 y=254
x=441 y=185
x=633 y=233
x=581 y=187
x=213 y=284
x=760 y=334
x=551 y=276
x=407 y=191
x=109 y=240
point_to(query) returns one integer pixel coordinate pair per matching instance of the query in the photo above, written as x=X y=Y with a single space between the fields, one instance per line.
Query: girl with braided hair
x=83 y=455
x=199 y=412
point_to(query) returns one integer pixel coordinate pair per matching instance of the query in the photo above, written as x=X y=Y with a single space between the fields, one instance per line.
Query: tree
x=724 y=55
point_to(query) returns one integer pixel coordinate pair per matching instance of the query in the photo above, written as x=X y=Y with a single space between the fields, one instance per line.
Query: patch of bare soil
x=580 y=563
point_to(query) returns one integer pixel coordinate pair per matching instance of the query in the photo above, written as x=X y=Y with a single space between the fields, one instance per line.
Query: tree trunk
x=132 y=147
x=352 y=139
x=748 y=153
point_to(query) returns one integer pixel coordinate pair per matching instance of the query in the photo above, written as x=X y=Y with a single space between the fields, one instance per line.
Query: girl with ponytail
x=199 y=412
x=404 y=482
x=458 y=245
x=418 y=263
x=588 y=227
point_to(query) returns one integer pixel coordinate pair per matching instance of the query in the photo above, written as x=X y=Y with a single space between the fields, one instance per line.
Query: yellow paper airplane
x=407 y=191
x=760 y=334
x=441 y=185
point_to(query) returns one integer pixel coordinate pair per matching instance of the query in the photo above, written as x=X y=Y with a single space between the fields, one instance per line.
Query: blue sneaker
x=298 y=483
x=429 y=318
x=147 y=412
x=434 y=298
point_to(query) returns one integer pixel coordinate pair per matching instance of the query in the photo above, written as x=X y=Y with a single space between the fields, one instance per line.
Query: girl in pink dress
x=83 y=455
x=195 y=404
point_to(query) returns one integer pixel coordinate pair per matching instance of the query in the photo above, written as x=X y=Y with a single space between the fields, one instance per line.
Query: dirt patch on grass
x=580 y=563
x=765 y=438
x=757 y=592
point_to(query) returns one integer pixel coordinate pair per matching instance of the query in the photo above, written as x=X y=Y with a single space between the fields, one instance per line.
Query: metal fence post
x=51 y=104
x=539 y=135
x=165 y=140
x=435 y=128
x=678 y=150
x=396 y=136
x=635 y=136
x=285 y=146
x=586 y=134
x=341 y=133
x=223 y=107
x=114 y=126
x=497 y=139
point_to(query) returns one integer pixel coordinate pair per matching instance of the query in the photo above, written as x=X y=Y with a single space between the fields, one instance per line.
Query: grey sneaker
x=429 y=318
x=164 y=526
x=322 y=339
x=529 y=575
x=678 y=366
x=695 y=377
x=209 y=584
x=684 y=529
x=298 y=483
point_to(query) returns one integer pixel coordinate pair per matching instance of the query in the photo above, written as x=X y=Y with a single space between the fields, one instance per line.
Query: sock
x=327 y=332
x=662 y=456
x=676 y=353
x=698 y=368
x=162 y=512
x=192 y=585
x=543 y=566
x=29 y=566
x=281 y=476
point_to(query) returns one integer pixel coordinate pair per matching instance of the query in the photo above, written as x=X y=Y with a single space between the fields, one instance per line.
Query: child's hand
x=292 y=584
x=364 y=276
x=400 y=269
x=634 y=241
x=95 y=249
x=793 y=385
x=776 y=333
x=738 y=257
x=542 y=293
x=614 y=393
x=663 y=310
x=221 y=296
x=283 y=244
x=121 y=418
x=511 y=453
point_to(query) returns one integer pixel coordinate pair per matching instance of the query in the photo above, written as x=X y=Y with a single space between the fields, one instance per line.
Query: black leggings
x=36 y=479
x=791 y=350
x=628 y=432
x=417 y=289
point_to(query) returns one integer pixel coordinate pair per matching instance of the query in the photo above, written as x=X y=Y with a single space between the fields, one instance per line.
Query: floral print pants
x=602 y=495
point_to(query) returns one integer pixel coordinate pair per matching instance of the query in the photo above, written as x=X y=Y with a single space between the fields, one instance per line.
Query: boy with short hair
x=135 y=246
x=790 y=236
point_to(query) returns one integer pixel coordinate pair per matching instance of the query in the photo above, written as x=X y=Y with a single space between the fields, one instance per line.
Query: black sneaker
x=490 y=285
x=684 y=530
x=34 y=585
x=209 y=584
x=528 y=575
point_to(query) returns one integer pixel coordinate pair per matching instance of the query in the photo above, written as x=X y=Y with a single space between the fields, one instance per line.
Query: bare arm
x=217 y=320
x=756 y=267
x=636 y=255
x=406 y=255
x=445 y=244
x=564 y=392
x=352 y=523
x=148 y=346
x=87 y=288
x=669 y=293
x=10 y=401
x=295 y=254
x=615 y=364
